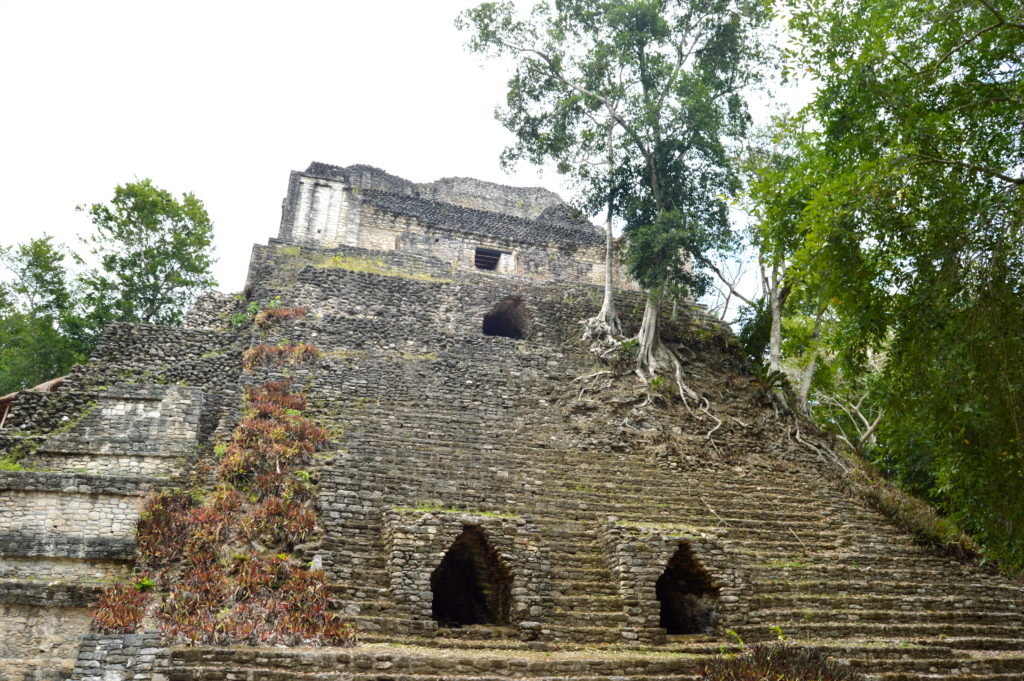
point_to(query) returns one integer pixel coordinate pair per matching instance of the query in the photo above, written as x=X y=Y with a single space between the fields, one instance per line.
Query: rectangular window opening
x=486 y=259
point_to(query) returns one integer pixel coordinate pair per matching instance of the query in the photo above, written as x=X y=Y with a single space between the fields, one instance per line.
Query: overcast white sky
x=224 y=98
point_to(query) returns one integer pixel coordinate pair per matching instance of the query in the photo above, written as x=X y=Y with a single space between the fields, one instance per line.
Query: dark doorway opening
x=471 y=585
x=688 y=599
x=486 y=259
x=507 y=318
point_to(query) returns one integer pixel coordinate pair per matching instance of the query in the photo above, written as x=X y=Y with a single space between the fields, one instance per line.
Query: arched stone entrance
x=472 y=584
x=688 y=599
x=508 y=318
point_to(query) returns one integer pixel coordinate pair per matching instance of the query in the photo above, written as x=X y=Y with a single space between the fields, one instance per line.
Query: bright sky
x=224 y=98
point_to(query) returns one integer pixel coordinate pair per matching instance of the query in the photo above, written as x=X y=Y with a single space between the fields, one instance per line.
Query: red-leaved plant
x=121 y=608
x=225 y=563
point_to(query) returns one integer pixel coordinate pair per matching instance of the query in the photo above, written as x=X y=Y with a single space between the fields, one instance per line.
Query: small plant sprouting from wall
x=223 y=560
x=267 y=316
x=280 y=354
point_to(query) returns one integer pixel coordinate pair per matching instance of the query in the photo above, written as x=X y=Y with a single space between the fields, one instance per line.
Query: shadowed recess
x=508 y=318
x=686 y=594
x=471 y=585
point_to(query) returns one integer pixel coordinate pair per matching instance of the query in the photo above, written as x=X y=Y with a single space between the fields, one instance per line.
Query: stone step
x=833 y=614
x=195 y=664
x=800 y=630
x=871 y=584
x=872 y=600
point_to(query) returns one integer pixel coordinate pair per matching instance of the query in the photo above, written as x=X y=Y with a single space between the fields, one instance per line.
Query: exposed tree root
x=654 y=359
x=826 y=453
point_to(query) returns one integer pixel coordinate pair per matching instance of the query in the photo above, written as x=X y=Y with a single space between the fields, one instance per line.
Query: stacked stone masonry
x=125 y=422
x=482 y=518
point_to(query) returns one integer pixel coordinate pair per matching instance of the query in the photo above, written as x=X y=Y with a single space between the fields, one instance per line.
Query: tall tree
x=155 y=253
x=554 y=111
x=915 y=231
x=668 y=74
x=40 y=330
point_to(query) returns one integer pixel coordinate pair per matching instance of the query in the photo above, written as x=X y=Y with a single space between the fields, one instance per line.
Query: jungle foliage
x=153 y=255
x=895 y=201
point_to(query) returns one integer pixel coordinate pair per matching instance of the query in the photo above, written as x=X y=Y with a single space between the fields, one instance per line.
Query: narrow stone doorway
x=472 y=584
x=688 y=599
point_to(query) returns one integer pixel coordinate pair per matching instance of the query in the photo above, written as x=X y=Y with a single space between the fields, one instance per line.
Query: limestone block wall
x=75 y=528
x=132 y=429
x=63 y=568
x=28 y=633
x=203 y=358
x=125 y=657
x=71 y=515
x=213 y=310
x=524 y=202
x=68 y=514
x=41 y=620
x=70 y=519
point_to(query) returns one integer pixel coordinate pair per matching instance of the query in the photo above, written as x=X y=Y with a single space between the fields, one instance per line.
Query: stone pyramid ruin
x=484 y=515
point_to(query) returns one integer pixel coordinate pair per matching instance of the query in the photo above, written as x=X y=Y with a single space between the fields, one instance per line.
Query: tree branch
x=1019 y=181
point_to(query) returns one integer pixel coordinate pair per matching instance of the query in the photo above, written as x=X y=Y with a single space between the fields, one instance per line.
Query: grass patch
x=9 y=463
x=419 y=357
x=779 y=563
x=431 y=508
x=355 y=263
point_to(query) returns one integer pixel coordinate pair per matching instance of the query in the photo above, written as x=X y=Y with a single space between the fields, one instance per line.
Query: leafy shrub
x=268 y=316
x=162 y=527
x=281 y=354
x=120 y=609
x=262 y=500
x=258 y=599
x=776 y=662
x=279 y=522
x=261 y=446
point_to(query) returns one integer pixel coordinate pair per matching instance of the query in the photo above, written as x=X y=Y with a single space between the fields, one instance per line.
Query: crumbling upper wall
x=361 y=206
x=523 y=202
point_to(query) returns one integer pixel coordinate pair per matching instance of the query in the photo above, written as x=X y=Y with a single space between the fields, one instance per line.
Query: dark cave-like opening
x=471 y=585
x=688 y=599
x=507 y=318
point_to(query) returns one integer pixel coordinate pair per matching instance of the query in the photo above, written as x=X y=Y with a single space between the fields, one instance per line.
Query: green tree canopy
x=913 y=230
x=154 y=252
x=154 y=255
x=40 y=331
x=652 y=88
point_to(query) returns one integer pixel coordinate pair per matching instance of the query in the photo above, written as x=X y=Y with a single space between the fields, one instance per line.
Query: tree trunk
x=608 y=314
x=775 y=340
x=648 y=338
x=805 y=386
x=808 y=375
